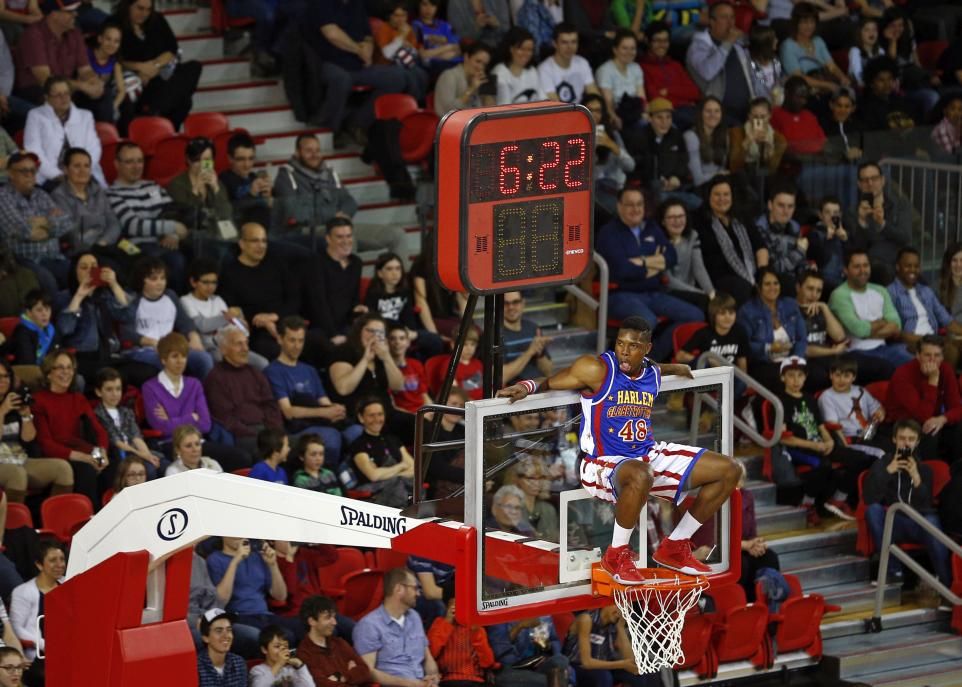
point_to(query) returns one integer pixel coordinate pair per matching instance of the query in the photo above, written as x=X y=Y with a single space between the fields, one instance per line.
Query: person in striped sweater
x=141 y=206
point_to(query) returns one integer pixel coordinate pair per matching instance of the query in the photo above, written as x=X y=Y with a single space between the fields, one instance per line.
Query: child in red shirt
x=415 y=393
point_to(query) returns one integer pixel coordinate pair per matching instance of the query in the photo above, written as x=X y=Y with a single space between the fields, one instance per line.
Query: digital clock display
x=530 y=167
x=514 y=197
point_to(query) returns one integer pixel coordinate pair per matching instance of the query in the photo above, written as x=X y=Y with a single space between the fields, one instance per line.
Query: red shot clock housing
x=515 y=193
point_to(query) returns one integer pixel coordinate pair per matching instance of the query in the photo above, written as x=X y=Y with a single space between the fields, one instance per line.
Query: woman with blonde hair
x=188 y=448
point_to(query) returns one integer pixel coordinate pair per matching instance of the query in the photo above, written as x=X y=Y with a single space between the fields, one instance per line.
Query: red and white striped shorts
x=670 y=466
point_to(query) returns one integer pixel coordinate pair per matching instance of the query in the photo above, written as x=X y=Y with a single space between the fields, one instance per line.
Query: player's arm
x=674 y=369
x=587 y=372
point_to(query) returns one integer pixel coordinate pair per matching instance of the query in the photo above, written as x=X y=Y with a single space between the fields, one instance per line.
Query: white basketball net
x=655 y=617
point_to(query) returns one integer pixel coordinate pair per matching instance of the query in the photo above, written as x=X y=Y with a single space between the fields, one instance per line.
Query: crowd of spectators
x=737 y=183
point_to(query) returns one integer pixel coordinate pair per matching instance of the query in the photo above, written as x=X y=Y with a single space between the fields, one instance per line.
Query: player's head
x=842 y=372
x=632 y=344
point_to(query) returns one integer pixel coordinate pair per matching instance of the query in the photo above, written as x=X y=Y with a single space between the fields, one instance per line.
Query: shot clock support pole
x=493 y=344
x=442 y=399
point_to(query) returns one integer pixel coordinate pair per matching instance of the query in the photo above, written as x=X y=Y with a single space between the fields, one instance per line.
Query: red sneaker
x=839 y=509
x=619 y=562
x=812 y=518
x=676 y=555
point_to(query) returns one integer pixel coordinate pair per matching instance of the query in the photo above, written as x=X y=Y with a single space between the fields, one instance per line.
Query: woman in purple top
x=172 y=399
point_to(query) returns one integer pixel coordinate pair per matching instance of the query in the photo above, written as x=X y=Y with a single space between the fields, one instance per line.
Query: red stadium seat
x=941 y=474
x=221 y=22
x=106 y=132
x=331 y=576
x=364 y=591
x=683 y=333
x=64 y=514
x=385 y=559
x=696 y=644
x=799 y=619
x=206 y=124
x=18 y=515
x=880 y=390
x=929 y=53
x=417 y=136
x=435 y=368
x=741 y=629
x=7 y=325
x=395 y=106
x=147 y=132
x=108 y=161
x=169 y=160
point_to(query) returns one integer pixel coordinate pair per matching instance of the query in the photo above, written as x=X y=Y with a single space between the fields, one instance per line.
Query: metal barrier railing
x=707 y=359
x=889 y=548
x=599 y=304
x=935 y=192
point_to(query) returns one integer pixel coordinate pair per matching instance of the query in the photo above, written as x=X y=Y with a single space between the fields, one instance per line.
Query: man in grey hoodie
x=307 y=193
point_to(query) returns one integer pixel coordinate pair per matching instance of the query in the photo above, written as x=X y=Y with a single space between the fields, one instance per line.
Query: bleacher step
x=830 y=571
x=803 y=548
x=860 y=596
x=227 y=69
x=764 y=492
x=188 y=20
x=200 y=46
x=729 y=673
x=279 y=145
x=773 y=519
x=944 y=674
x=259 y=121
x=881 y=653
x=397 y=214
x=249 y=93
x=918 y=618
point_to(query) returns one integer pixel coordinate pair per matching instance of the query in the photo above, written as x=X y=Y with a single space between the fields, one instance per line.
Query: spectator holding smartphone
x=250 y=193
x=199 y=190
x=902 y=477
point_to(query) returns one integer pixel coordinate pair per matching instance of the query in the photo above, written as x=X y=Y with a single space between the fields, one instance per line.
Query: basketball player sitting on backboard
x=623 y=463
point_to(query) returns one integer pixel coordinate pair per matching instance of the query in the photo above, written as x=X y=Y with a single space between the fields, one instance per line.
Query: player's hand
x=515 y=392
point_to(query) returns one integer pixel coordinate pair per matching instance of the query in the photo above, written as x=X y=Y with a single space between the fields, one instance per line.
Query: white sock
x=621 y=535
x=840 y=496
x=685 y=529
x=808 y=500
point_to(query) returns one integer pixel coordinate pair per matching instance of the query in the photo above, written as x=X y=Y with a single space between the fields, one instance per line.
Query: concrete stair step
x=878 y=654
x=260 y=121
x=403 y=214
x=227 y=69
x=248 y=93
x=764 y=492
x=201 y=46
x=860 y=596
x=368 y=190
x=803 y=548
x=919 y=618
x=773 y=519
x=943 y=674
x=753 y=466
x=732 y=673
x=280 y=145
x=830 y=571
x=188 y=20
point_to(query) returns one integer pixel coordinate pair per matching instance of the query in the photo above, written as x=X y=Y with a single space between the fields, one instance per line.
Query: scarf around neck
x=44 y=335
x=744 y=264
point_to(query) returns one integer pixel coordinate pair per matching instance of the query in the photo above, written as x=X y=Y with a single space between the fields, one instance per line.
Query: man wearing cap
x=216 y=665
x=32 y=224
x=55 y=47
x=662 y=160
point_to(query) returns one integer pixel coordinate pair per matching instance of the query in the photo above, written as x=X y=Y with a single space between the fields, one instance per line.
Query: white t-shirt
x=869 y=306
x=212 y=307
x=631 y=82
x=155 y=319
x=922 y=326
x=839 y=408
x=525 y=88
x=568 y=84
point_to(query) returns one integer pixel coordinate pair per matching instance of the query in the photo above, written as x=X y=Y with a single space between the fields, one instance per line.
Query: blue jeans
x=262 y=12
x=650 y=305
x=339 y=82
x=894 y=353
x=199 y=363
x=905 y=531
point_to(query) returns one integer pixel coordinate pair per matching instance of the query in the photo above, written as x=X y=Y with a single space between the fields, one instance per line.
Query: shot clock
x=515 y=193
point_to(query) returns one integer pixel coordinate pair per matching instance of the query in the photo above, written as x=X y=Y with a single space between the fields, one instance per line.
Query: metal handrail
x=599 y=304
x=889 y=547
x=708 y=358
